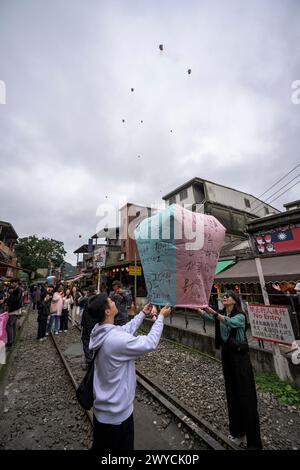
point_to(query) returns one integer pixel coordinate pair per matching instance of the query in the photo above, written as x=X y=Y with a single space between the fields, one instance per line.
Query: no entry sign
x=271 y=323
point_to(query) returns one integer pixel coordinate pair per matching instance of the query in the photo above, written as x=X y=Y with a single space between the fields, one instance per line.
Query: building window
x=172 y=200
x=183 y=194
x=266 y=210
x=247 y=203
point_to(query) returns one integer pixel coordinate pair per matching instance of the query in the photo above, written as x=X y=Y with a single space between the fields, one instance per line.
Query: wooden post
x=99 y=278
x=281 y=366
x=135 y=277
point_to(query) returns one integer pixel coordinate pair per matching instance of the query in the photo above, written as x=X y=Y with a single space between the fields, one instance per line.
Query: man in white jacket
x=114 y=373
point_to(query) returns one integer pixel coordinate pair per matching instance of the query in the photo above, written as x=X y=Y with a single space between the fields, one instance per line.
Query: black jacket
x=43 y=310
x=87 y=322
x=122 y=301
x=15 y=300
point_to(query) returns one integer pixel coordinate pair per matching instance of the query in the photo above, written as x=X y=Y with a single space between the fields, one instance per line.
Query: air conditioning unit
x=122 y=256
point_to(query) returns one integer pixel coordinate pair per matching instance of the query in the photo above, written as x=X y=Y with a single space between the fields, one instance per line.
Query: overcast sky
x=69 y=66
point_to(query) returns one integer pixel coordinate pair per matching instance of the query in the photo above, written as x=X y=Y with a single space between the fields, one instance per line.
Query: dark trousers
x=114 y=437
x=42 y=326
x=11 y=329
x=241 y=397
x=85 y=338
x=64 y=319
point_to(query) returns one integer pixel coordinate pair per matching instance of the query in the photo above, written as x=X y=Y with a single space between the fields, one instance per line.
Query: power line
x=276 y=184
x=274 y=194
x=285 y=191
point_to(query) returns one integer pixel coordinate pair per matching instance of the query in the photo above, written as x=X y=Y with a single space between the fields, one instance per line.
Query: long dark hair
x=236 y=309
x=238 y=303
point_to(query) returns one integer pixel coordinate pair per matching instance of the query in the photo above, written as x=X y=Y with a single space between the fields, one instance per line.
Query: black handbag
x=84 y=392
x=240 y=346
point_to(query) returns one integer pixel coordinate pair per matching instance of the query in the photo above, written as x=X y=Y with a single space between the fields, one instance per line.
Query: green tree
x=35 y=253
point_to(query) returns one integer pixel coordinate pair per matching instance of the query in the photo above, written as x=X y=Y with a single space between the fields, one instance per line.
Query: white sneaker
x=237 y=440
x=65 y=331
x=47 y=334
x=56 y=333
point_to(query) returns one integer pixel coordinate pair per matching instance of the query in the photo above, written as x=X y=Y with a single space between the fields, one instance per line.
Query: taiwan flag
x=286 y=240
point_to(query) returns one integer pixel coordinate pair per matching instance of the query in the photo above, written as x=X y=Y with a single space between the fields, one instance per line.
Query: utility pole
x=280 y=362
x=135 y=277
x=99 y=278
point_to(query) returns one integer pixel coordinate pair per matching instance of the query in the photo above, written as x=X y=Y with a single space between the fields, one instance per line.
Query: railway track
x=213 y=439
x=70 y=374
x=195 y=424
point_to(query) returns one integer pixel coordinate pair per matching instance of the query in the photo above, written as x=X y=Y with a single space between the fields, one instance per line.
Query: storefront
x=280 y=272
x=125 y=272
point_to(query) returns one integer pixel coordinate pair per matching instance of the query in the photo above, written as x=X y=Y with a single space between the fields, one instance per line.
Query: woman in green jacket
x=230 y=326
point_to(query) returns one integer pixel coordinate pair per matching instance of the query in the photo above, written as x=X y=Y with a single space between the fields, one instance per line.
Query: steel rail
x=197 y=425
x=70 y=374
x=204 y=430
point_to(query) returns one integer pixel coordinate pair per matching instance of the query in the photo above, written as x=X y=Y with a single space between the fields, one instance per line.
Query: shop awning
x=75 y=278
x=223 y=265
x=275 y=268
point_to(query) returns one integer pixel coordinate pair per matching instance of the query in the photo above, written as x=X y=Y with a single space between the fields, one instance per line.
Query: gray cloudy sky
x=69 y=65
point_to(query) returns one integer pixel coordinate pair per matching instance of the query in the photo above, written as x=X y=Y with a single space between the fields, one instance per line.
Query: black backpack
x=84 y=392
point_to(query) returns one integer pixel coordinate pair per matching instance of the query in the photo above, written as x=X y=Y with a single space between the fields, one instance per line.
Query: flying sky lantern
x=161 y=47
x=189 y=71
x=132 y=89
x=51 y=280
x=179 y=250
x=123 y=120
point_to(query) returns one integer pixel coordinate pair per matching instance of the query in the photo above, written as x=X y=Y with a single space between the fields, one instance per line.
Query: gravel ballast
x=198 y=381
x=39 y=409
